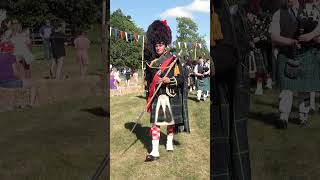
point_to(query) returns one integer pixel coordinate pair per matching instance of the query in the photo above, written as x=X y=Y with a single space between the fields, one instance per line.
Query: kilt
x=176 y=108
x=229 y=139
x=309 y=77
x=203 y=84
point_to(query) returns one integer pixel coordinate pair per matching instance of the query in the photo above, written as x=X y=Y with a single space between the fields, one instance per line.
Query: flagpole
x=195 y=51
x=142 y=59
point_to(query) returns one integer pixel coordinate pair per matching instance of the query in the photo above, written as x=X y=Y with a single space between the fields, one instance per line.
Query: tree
x=123 y=53
x=187 y=31
x=80 y=14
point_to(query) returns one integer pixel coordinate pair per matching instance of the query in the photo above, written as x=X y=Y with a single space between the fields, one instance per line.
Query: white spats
x=313 y=101
x=269 y=83
x=284 y=116
x=169 y=145
x=259 y=90
x=199 y=92
x=155 y=148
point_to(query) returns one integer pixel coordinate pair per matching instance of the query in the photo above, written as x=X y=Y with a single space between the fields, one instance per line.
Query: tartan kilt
x=230 y=148
x=309 y=77
x=203 y=84
x=176 y=108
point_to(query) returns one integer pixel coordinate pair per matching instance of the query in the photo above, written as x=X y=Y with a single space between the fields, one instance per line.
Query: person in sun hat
x=167 y=108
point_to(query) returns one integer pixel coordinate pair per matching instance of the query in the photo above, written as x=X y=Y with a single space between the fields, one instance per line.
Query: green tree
x=80 y=14
x=187 y=31
x=123 y=53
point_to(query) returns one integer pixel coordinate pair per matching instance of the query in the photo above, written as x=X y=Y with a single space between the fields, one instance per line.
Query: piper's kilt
x=309 y=76
x=203 y=84
x=176 y=108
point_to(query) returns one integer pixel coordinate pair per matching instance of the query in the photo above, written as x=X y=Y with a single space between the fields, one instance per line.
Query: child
x=82 y=44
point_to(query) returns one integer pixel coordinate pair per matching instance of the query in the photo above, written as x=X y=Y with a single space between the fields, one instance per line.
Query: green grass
x=64 y=141
x=190 y=159
x=291 y=154
x=60 y=141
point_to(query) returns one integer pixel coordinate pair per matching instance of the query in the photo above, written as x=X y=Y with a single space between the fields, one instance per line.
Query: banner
x=135 y=37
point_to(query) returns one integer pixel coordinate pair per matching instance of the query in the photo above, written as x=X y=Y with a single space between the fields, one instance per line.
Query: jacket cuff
x=173 y=81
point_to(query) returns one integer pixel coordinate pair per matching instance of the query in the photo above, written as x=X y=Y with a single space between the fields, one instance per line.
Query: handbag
x=292 y=69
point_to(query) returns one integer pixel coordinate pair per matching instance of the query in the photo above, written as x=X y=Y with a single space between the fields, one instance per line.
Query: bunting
x=135 y=37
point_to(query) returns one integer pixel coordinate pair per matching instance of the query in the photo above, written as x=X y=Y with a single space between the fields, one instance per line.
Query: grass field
x=59 y=141
x=292 y=154
x=190 y=160
x=62 y=141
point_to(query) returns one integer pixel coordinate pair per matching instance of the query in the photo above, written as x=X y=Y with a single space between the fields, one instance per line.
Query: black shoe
x=169 y=150
x=150 y=158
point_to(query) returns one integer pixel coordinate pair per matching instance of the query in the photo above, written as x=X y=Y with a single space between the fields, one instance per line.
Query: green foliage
x=33 y=13
x=187 y=31
x=123 y=53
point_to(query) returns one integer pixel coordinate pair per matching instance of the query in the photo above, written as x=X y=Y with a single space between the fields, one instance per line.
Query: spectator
x=9 y=76
x=115 y=81
x=82 y=45
x=6 y=30
x=128 y=76
x=45 y=32
x=22 y=50
x=58 y=41
x=135 y=76
x=190 y=74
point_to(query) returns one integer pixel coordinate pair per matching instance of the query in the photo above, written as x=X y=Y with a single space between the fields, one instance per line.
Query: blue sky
x=144 y=12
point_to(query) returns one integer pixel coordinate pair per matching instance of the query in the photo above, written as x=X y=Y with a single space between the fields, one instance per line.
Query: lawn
x=63 y=140
x=276 y=154
x=190 y=160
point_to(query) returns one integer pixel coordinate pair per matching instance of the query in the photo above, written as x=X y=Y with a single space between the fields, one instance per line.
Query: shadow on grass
x=273 y=118
x=193 y=98
x=261 y=102
x=98 y=111
x=141 y=97
x=142 y=134
x=267 y=118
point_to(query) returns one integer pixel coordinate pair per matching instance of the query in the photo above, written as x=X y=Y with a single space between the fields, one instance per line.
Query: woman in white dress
x=21 y=40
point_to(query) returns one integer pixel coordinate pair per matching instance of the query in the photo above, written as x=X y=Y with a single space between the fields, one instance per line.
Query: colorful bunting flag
x=126 y=34
x=129 y=37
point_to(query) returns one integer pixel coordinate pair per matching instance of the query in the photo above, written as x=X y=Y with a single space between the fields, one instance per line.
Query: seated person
x=9 y=76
